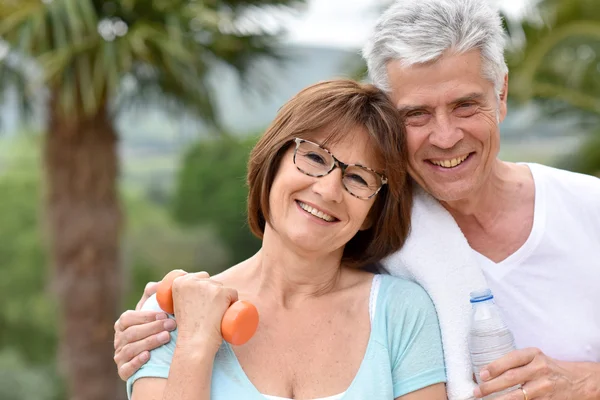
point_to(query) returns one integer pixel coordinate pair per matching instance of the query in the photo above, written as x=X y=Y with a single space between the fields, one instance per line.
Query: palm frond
x=86 y=47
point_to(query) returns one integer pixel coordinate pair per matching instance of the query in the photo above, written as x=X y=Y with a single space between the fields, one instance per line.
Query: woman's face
x=317 y=214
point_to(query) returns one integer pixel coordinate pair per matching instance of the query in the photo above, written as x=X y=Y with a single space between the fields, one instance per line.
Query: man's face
x=452 y=116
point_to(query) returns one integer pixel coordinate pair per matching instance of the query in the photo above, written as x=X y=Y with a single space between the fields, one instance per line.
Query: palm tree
x=76 y=53
x=559 y=59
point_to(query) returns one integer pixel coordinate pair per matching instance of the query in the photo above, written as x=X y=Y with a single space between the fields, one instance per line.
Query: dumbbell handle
x=239 y=321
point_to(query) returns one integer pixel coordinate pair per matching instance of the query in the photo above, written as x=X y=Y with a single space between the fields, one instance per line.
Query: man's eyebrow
x=475 y=96
x=406 y=109
x=478 y=96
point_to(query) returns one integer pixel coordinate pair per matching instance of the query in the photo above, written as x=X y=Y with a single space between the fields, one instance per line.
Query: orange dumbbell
x=239 y=321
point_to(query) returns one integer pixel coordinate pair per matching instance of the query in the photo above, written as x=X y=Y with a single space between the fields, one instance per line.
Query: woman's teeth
x=316 y=212
x=450 y=163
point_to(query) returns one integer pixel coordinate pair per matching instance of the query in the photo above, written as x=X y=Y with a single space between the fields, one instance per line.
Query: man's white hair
x=421 y=31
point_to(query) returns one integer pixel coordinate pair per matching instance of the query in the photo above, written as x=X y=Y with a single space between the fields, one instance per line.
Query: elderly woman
x=327 y=187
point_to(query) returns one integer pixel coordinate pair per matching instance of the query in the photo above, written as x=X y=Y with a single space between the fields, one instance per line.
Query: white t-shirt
x=549 y=289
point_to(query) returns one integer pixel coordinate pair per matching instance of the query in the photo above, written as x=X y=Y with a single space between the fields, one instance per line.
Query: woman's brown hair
x=338 y=107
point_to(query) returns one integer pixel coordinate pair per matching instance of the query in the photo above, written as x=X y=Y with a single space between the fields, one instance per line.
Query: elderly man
x=534 y=230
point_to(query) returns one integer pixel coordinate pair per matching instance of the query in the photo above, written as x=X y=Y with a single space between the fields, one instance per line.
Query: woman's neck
x=291 y=276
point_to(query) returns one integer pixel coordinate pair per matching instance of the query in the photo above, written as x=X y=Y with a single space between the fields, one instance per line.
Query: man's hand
x=541 y=377
x=149 y=290
x=138 y=332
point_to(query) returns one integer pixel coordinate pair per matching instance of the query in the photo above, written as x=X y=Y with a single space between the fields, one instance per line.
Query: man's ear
x=503 y=98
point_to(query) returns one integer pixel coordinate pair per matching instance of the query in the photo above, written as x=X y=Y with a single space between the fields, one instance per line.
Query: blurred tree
x=92 y=58
x=586 y=158
x=558 y=62
x=211 y=190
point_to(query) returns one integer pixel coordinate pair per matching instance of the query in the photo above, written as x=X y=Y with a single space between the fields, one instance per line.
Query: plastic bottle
x=489 y=337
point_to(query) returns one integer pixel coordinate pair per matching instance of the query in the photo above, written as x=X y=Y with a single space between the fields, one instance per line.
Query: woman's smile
x=316 y=213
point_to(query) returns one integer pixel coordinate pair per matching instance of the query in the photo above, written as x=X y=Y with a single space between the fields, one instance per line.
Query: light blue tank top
x=404 y=352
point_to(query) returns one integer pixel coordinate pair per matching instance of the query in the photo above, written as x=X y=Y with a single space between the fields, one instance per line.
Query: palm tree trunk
x=84 y=221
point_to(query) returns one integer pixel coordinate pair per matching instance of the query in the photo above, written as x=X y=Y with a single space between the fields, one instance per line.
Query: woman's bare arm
x=189 y=377
x=433 y=392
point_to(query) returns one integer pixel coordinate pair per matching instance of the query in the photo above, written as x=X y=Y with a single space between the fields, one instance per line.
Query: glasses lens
x=313 y=160
x=361 y=182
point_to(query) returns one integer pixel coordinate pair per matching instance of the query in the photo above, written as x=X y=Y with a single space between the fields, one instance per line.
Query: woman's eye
x=316 y=158
x=357 y=179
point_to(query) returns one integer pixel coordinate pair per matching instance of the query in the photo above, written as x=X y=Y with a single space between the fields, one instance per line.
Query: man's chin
x=449 y=192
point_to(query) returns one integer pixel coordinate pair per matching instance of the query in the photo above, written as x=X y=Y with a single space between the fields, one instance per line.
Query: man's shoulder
x=569 y=189
x=561 y=178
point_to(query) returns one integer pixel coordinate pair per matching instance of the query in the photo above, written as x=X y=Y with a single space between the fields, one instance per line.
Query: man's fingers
x=512 y=360
x=508 y=379
x=140 y=332
x=128 y=369
x=149 y=290
x=133 y=355
x=534 y=389
x=131 y=318
x=134 y=349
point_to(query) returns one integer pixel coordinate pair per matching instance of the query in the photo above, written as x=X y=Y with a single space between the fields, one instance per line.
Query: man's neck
x=507 y=184
x=498 y=219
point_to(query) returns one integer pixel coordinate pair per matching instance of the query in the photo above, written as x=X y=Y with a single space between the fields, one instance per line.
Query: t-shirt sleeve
x=414 y=338
x=160 y=358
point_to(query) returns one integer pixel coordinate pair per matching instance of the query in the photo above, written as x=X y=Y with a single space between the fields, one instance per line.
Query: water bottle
x=489 y=337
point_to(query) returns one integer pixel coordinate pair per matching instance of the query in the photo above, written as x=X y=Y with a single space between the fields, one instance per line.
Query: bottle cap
x=481 y=295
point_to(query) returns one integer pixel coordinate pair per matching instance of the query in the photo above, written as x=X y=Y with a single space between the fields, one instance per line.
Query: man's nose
x=445 y=134
x=330 y=186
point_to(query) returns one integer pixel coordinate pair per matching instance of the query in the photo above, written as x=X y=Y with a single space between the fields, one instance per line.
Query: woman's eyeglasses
x=313 y=160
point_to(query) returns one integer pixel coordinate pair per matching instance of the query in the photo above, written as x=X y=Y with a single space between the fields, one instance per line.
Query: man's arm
x=542 y=377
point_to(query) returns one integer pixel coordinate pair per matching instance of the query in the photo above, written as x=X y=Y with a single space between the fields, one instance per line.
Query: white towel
x=438 y=257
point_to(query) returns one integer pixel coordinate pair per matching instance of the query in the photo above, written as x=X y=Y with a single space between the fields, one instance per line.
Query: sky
x=347 y=23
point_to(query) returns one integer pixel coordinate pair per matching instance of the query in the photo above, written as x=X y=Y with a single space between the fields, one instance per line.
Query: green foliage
x=27 y=320
x=27 y=317
x=154 y=245
x=19 y=381
x=211 y=191
x=558 y=62
x=586 y=159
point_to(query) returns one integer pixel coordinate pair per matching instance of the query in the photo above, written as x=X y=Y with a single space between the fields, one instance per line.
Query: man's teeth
x=450 y=163
x=316 y=212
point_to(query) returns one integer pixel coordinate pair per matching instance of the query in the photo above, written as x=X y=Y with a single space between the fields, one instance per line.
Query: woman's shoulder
x=400 y=294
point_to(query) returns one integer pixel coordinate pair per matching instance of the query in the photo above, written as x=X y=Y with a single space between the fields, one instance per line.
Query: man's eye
x=415 y=114
x=417 y=118
x=466 y=109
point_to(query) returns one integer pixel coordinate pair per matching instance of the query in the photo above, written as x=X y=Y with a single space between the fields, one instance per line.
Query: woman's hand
x=200 y=304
